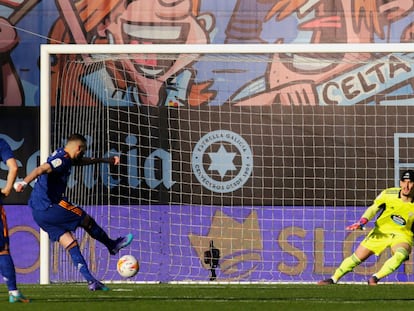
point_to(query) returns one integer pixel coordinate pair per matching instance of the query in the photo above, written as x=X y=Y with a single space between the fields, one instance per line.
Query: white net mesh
x=263 y=157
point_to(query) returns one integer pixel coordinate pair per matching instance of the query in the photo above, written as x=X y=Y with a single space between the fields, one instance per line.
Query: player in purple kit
x=56 y=215
x=7 y=267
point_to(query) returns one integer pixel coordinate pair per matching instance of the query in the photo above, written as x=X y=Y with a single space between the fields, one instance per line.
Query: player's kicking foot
x=96 y=285
x=326 y=282
x=373 y=280
x=121 y=243
x=18 y=298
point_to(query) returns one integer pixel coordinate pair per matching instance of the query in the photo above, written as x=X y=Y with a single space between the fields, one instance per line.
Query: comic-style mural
x=26 y=24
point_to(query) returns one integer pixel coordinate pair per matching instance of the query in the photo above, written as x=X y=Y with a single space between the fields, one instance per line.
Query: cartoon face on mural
x=354 y=21
x=161 y=22
x=296 y=79
x=157 y=22
x=11 y=89
x=288 y=79
x=149 y=22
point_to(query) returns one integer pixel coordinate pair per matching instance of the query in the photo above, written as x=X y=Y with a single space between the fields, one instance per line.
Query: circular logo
x=399 y=220
x=222 y=161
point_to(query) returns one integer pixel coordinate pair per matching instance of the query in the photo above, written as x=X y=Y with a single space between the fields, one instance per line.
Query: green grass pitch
x=164 y=297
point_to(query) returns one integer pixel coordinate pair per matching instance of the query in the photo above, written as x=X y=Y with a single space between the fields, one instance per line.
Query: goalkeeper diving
x=394 y=211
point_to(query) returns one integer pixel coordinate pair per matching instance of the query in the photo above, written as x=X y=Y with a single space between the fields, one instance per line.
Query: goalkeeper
x=394 y=208
x=56 y=215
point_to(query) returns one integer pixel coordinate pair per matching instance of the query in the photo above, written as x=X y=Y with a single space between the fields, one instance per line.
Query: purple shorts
x=59 y=218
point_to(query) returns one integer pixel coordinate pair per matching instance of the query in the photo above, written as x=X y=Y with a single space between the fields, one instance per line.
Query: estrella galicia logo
x=399 y=220
x=222 y=161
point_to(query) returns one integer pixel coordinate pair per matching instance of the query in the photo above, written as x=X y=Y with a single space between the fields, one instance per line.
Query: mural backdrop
x=27 y=23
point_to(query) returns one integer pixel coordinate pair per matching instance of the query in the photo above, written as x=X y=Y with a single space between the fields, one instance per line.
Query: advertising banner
x=172 y=243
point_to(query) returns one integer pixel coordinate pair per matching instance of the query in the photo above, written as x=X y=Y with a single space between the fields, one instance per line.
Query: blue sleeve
x=59 y=162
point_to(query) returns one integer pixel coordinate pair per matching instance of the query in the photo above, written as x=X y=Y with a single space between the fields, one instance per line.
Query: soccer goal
x=239 y=163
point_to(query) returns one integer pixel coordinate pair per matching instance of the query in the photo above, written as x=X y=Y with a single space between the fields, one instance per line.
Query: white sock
x=14 y=292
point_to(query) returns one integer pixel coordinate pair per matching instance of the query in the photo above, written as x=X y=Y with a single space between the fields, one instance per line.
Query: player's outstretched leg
x=393 y=263
x=120 y=243
x=97 y=233
x=347 y=265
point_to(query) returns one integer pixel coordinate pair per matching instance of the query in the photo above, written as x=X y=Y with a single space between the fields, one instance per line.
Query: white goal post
x=300 y=146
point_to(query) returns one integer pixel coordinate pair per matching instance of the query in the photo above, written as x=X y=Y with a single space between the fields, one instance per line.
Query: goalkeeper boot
x=326 y=282
x=373 y=280
x=121 y=243
x=18 y=298
x=96 y=285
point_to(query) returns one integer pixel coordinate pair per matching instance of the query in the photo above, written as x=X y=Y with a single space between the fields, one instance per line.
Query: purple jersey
x=50 y=188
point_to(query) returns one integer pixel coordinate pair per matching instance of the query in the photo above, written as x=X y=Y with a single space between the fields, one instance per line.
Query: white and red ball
x=127 y=266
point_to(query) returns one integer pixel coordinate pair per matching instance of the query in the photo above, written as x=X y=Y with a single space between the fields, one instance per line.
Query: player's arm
x=369 y=213
x=359 y=225
x=11 y=176
x=87 y=161
x=45 y=168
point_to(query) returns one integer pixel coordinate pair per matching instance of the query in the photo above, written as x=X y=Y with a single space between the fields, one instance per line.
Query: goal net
x=239 y=163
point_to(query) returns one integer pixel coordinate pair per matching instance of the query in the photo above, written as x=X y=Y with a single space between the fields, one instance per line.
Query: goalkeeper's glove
x=19 y=186
x=360 y=225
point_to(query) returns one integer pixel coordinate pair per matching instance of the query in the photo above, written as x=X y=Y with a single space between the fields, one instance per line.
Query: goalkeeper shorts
x=377 y=242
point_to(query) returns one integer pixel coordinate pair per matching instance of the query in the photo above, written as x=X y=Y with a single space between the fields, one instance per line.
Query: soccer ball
x=127 y=266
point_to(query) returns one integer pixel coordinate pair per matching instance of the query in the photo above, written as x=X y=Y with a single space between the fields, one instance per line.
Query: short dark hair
x=77 y=136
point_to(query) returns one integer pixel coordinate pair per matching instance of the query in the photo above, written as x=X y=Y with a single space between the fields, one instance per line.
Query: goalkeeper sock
x=8 y=271
x=400 y=255
x=347 y=265
x=79 y=261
